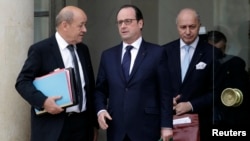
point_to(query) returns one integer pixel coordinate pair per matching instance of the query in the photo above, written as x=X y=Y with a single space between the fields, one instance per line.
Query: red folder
x=186 y=128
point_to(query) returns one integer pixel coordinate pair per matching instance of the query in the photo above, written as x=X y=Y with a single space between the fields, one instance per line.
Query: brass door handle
x=231 y=97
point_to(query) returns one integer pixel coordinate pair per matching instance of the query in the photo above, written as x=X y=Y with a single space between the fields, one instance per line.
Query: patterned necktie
x=126 y=61
x=77 y=76
x=185 y=62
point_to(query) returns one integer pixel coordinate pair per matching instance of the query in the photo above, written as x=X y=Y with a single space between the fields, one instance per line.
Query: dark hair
x=138 y=12
x=216 y=36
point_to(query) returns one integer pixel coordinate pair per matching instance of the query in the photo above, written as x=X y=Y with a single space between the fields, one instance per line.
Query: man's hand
x=50 y=105
x=182 y=108
x=175 y=99
x=166 y=134
x=102 y=117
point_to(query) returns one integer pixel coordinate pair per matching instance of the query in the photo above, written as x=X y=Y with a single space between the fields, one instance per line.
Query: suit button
x=126 y=89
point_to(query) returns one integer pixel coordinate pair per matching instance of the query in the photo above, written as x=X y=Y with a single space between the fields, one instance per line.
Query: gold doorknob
x=231 y=97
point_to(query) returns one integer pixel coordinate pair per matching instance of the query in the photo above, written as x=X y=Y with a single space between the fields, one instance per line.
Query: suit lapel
x=195 y=59
x=176 y=61
x=118 y=62
x=57 y=54
x=139 y=58
x=81 y=55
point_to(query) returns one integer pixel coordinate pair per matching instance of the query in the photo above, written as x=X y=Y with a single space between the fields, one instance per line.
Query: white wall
x=16 y=26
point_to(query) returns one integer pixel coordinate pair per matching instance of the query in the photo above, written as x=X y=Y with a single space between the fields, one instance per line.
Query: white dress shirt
x=191 y=53
x=68 y=62
x=191 y=50
x=134 y=51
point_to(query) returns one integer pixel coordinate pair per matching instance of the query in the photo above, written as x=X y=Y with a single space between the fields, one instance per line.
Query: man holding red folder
x=58 y=124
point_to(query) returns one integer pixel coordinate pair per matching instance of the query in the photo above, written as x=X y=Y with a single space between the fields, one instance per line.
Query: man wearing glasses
x=130 y=97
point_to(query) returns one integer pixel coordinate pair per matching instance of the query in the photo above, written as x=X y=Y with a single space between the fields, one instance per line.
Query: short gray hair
x=66 y=15
x=195 y=12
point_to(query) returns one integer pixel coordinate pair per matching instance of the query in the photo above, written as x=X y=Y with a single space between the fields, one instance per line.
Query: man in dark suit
x=137 y=108
x=193 y=90
x=232 y=74
x=73 y=123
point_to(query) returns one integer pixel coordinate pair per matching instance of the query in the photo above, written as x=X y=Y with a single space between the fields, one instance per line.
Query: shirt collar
x=61 y=42
x=135 y=44
x=193 y=45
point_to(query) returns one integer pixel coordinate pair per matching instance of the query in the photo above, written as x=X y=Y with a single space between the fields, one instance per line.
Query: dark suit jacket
x=233 y=74
x=139 y=107
x=197 y=86
x=43 y=58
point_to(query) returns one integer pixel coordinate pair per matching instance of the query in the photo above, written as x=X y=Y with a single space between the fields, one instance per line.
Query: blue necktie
x=185 y=62
x=77 y=76
x=126 y=62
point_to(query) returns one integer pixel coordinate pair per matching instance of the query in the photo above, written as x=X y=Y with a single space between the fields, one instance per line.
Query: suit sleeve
x=166 y=97
x=24 y=83
x=101 y=91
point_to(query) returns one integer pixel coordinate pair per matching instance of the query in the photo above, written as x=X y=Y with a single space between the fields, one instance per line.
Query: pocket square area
x=201 y=66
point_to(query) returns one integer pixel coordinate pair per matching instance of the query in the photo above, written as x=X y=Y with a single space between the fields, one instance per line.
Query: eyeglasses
x=126 y=22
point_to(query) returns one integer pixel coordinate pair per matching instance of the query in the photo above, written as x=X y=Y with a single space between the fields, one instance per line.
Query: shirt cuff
x=100 y=111
x=191 y=106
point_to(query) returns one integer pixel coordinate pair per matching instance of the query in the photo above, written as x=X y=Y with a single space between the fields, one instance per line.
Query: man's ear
x=141 y=22
x=64 y=25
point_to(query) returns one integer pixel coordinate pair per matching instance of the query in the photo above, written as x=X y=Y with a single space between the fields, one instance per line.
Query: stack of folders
x=57 y=83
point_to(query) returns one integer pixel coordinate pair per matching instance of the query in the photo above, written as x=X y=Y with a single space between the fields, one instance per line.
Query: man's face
x=188 y=26
x=77 y=28
x=129 y=27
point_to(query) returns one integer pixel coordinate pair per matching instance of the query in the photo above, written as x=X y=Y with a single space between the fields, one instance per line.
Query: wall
x=16 y=26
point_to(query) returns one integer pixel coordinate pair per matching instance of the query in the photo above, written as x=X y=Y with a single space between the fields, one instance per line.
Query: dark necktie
x=185 y=62
x=77 y=76
x=126 y=62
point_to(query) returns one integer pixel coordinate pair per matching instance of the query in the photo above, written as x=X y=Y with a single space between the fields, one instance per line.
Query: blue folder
x=57 y=83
